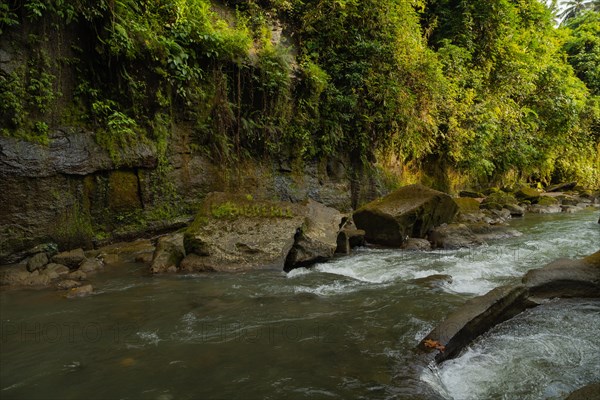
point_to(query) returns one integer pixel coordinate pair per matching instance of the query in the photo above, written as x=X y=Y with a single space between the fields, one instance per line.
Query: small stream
x=344 y=329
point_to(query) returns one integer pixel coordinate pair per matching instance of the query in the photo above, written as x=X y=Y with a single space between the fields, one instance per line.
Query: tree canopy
x=488 y=88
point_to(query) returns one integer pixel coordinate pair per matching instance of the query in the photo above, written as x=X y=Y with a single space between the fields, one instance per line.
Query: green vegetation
x=230 y=209
x=483 y=92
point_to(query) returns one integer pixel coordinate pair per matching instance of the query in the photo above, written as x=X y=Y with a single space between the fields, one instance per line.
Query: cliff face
x=71 y=192
x=83 y=160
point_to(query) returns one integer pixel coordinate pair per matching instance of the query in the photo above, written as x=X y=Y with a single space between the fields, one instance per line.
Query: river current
x=343 y=329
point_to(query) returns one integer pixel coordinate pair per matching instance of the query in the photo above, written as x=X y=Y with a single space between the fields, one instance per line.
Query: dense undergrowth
x=489 y=89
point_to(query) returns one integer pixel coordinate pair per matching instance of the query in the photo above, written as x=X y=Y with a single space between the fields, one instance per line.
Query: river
x=343 y=329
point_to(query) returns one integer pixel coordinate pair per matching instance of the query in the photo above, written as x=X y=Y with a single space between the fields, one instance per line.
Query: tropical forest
x=382 y=199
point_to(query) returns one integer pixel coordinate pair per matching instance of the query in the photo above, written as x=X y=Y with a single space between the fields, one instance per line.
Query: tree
x=573 y=8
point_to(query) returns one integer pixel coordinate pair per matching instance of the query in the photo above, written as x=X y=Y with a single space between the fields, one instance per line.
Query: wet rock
x=416 y=244
x=235 y=233
x=91 y=265
x=80 y=291
x=539 y=209
x=435 y=280
x=317 y=239
x=561 y=187
x=71 y=259
x=566 y=278
x=588 y=392
x=37 y=261
x=570 y=209
x=124 y=252
x=19 y=276
x=195 y=263
x=561 y=278
x=68 y=284
x=515 y=210
x=109 y=258
x=452 y=236
x=78 y=275
x=348 y=239
x=486 y=232
x=410 y=211
x=476 y=317
x=59 y=269
x=470 y=218
x=502 y=215
x=168 y=254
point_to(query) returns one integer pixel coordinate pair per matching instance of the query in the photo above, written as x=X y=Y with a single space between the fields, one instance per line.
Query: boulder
x=561 y=187
x=452 y=236
x=91 y=265
x=125 y=252
x=349 y=238
x=467 y=204
x=588 y=392
x=416 y=244
x=80 y=291
x=515 y=210
x=195 y=263
x=169 y=253
x=540 y=209
x=485 y=232
x=236 y=233
x=566 y=278
x=474 y=318
x=410 y=211
x=19 y=276
x=498 y=200
x=561 y=278
x=78 y=275
x=527 y=193
x=317 y=239
x=37 y=261
x=59 y=269
x=71 y=259
x=547 y=201
x=67 y=284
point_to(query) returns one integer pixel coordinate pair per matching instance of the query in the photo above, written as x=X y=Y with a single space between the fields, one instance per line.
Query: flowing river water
x=343 y=329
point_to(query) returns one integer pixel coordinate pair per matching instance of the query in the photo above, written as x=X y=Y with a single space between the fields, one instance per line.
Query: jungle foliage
x=489 y=88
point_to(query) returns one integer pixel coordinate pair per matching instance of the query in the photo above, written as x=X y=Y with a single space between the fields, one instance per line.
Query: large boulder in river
x=237 y=233
x=562 y=278
x=410 y=211
x=566 y=278
x=317 y=239
x=168 y=254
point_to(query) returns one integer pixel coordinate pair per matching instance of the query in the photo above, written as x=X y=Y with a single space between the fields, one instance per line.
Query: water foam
x=546 y=352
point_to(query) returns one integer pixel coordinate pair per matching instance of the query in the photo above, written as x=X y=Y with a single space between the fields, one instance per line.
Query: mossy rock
x=499 y=198
x=410 y=211
x=467 y=204
x=123 y=191
x=547 y=201
x=527 y=193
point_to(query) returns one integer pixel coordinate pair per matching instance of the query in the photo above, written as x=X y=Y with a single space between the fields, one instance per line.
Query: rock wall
x=74 y=193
